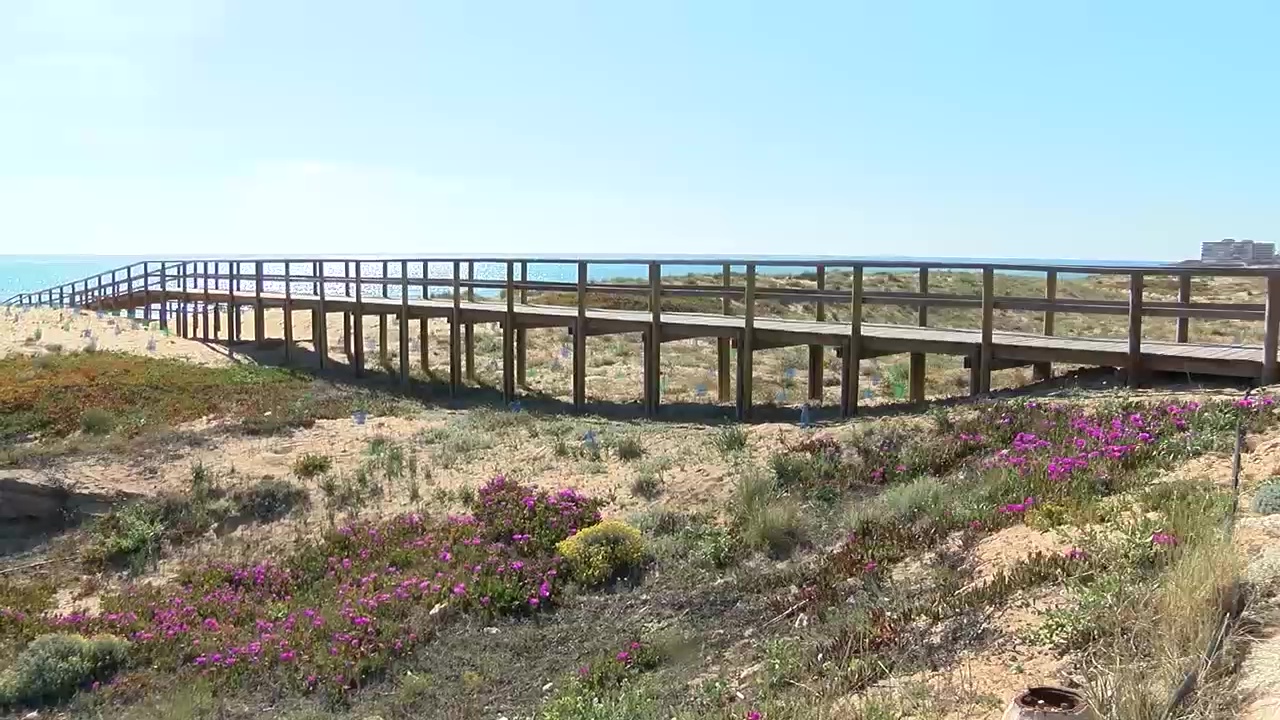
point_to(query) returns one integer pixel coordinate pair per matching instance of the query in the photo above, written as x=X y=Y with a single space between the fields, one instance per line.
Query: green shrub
x=133 y=535
x=603 y=552
x=647 y=483
x=729 y=439
x=269 y=499
x=629 y=448
x=777 y=528
x=311 y=465
x=1267 y=499
x=52 y=667
x=97 y=422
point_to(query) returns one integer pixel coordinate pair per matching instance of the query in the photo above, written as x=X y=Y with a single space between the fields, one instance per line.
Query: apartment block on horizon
x=1231 y=251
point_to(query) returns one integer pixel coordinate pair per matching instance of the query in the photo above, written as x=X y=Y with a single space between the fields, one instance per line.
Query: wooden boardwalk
x=185 y=293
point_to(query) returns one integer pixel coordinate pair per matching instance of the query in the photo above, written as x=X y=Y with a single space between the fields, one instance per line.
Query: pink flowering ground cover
x=349 y=604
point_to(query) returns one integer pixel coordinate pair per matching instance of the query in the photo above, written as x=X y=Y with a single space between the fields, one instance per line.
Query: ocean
x=28 y=273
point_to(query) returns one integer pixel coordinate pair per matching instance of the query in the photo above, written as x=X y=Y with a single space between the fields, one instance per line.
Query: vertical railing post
x=382 y=320
x=259 y=314
x=580 y=343
x=1272 y=331
x=164 y=297
x=522 y=340
x=455 y=332
x=1183 y=332
x=509 y=338
x=321 y=317
x=404 y=322
x=423 y=327
x=918 y=360
x=146 y=292
x=183 y=316
x=746 y=346
x=1134 y=369
x=288 y=314
x=204 y=307
x=852 y=350
x=988 y=320
x=653 y=374
x=1044 y=370
x=233 y=310
x=470 y=328
x=723 y=343
x=815 y=351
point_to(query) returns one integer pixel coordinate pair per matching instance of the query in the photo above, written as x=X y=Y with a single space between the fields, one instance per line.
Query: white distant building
x=1238 y=251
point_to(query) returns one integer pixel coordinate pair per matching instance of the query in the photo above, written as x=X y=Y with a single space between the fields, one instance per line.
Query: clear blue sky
x=1105 y=130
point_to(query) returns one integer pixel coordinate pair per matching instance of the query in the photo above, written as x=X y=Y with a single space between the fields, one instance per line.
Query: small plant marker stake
x=806 y=418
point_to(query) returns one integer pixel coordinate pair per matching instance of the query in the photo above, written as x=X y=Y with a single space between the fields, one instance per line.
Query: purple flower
x=1163 y=539
x=623 y=657
x=1076 y=554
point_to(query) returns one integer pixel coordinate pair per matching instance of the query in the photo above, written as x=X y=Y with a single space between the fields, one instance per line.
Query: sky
x=1094 y=130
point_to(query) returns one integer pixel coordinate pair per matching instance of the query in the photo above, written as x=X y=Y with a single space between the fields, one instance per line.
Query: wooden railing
x=162 y=282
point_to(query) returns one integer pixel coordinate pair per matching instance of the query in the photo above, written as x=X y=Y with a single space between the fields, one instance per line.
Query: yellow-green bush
x=52 y=667
x=603 y=552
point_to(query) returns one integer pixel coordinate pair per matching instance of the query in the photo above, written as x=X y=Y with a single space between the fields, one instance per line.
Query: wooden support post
x=288 y=315
x=1133 y=371
x=1183 y=331
x=146 y=293
x=655 y=339
x=259 y=315
x=522 y=339
x=975 y=372
x=164 y=298
x=722 y=343
x=204 y=307
x=580 y=343
x=746 y=345
x=471 y=327
x=423 y=327
x=382 y=339
x=357 y=324
x=852 y=350
x=404 y=322
x=918 y=360
x=988 y=320
x=509 y=338
x=815 y=351
x=183 y=312
x=455 y=332
x=1271 y=322
x=346 y=335
x=1044 y=370
x=233 y=331
x=322 y=328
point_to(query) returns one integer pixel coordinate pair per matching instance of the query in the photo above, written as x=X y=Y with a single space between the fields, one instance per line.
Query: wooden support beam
x=1272 y=331
x=404 y=322
x=423 y=327
x=1134 y=365
x=357 y=323
x=975 y=372
x=916 y=365
x=288 y=315
x=204 y=307
x=346 y=335
x=1044 y=371
x=455 y=332
x=470 y=328
x=164 y=298
x=722 y=345
x=655 y=339
x=146 y=292
x=322 y=330
x=580 y=343
x=182 y=301
x=1183 y=331
x=746 y=347
x=259 y=314
x=509 y=338
x=382 y=340
x=233 y=332
x=522 y=340
x=988 y=321
x=815 y=351
x=852 y=356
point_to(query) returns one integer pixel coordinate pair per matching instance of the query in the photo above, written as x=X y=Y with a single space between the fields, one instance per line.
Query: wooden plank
x=259 y=317
x=1183 y=331
x=1271 y=330
x=322 y=326
x=424 y=329
x=1134 y=364
x=469 y=327
x=287 y=309
x=509 y=338
x=852 y=356
x=746 y=347
x=580 y=343
x=455 y=332
x=404 y=322
x=522 y=339
x=146 y=293
x=654 y=375
x=204 y=306
x=815 y=351
x=164 y=299
x=988 y=315
x=917 y=362
x=722 y=344
x=357 y=321
x=1044 y=371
